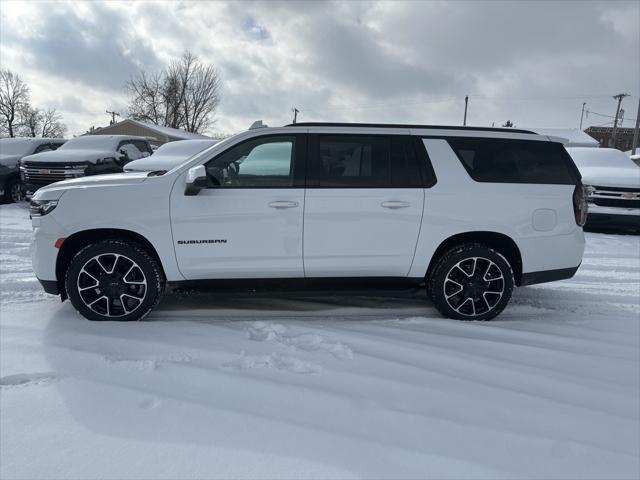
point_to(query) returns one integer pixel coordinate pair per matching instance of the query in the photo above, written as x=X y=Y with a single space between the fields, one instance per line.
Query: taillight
x=580 y=206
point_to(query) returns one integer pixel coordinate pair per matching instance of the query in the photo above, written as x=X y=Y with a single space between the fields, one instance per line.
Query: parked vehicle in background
x=612 y=181
x=82 y=156
x=467 y=212
x=169 y=156
x=12 y=150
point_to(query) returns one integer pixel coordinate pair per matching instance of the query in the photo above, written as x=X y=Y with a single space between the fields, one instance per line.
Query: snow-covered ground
x=291 y=386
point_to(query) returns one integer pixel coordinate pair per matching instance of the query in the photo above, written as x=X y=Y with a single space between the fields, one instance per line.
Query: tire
x=471 y=282
x=13 y=191
x=114 y=280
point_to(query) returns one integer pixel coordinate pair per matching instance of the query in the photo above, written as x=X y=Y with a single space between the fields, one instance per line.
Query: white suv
x=467 y=212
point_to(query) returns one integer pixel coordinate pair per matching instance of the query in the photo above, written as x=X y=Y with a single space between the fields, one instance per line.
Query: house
x=624 y=137
x=156 y=134
x=574 y=136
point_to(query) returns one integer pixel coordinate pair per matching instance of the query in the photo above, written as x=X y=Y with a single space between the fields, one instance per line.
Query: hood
x=153 y=163
x=55 y=190
x=9 y=160
x=70 y=156
x=611 y=176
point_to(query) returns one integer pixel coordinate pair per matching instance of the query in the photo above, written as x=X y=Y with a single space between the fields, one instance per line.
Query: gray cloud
x=401 y=61
x=96 y=49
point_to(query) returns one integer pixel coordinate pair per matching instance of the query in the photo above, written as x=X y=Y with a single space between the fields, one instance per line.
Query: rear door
x=363 y=205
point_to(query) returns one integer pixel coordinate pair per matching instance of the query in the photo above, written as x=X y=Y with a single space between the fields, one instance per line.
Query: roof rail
x=400 y=125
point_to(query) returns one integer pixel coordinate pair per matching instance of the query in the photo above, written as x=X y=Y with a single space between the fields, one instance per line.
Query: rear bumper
x=544 y=276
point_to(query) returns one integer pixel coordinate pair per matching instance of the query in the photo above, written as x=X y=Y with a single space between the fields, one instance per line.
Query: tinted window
x=142 y=146
x=130 y=150
x=45 y=147
x=262 y=162
x=515 y=161
x=366 y=161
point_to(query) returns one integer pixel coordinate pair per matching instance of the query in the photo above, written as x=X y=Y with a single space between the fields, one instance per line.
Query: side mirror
x=196 y=180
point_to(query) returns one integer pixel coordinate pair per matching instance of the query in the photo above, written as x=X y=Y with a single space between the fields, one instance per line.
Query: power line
x=478 y=97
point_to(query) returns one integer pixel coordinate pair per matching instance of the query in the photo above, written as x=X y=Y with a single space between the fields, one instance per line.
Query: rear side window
x=366 y=161
x=515 y=161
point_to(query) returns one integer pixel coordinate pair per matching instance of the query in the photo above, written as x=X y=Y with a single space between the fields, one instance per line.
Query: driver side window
x=260 y=162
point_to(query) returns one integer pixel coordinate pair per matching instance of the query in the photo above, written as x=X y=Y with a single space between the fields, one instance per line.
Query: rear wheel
x=471 y=282
x=114 y=280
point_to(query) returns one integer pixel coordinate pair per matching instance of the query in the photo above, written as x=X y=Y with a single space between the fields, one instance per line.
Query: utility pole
x=618 y=97
x=634 y=145
x=466 y=103
x=295 y=114
x=113 y=117
x=584 y=104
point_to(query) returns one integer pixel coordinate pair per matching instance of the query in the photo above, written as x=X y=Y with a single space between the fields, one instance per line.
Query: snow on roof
x=106 y=142
x=174 y=133
x=574 y=136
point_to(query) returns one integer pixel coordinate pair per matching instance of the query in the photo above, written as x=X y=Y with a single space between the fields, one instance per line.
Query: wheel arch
x=500 y=242
x=76 y=242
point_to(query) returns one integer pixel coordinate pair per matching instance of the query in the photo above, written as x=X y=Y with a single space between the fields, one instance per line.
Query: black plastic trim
x=324 y=283
x=399 y=125
x=544 y=276
x=50 y=286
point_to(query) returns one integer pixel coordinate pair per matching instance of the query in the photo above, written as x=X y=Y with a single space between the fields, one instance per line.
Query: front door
x=248 y=222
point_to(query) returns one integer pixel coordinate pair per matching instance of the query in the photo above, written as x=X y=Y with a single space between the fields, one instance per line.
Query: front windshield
x=91 y=142
x=15 y=146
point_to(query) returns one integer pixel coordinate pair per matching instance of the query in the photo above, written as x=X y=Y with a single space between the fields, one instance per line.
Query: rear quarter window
x=515 y=161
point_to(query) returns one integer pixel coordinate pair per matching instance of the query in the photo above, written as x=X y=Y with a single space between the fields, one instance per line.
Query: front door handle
x=393 y=205
x=283 y=204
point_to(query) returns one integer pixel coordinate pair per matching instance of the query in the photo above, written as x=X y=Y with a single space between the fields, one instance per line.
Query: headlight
x=38 y=208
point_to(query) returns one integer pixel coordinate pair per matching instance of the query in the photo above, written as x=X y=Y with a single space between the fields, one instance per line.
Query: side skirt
x=305 y=284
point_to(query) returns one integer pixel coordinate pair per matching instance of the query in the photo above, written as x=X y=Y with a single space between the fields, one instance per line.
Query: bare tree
x=30 y=120
x=509 y=124
x=184 y=95
x=14 y=98
x=52 y=126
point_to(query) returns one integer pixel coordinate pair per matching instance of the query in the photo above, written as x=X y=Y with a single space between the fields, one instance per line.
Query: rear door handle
x=280 y=204
x=393 y=205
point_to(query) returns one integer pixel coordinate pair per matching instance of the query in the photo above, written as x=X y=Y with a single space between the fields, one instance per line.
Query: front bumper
x=607 y=220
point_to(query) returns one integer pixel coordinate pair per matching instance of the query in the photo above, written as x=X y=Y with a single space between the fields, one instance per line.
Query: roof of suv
x=400 y=125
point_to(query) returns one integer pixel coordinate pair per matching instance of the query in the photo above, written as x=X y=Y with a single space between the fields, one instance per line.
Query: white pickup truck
x=612 y=180
x=468 y=213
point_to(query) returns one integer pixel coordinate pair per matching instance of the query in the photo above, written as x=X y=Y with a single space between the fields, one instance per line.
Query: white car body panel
x=350 y=232
x=255 y=240
x=457 y=204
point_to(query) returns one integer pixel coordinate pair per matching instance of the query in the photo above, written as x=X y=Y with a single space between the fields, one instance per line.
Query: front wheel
x=471 y=282
x=114 y=280
x=13 y=191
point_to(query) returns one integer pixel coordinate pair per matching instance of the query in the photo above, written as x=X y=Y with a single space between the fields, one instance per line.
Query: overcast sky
x=533 y=63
